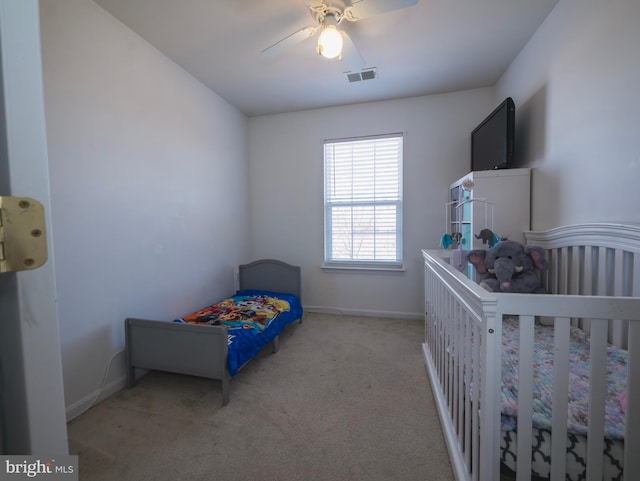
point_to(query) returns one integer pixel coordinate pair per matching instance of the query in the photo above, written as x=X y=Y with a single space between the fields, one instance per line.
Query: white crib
x=590 y=283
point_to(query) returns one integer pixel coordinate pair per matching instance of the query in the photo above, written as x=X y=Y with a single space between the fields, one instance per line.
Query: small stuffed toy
x=488 y=237
x=509 y=266
x=450 y=240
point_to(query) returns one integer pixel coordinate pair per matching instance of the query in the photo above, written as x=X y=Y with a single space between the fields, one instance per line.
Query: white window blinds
x=363 y=201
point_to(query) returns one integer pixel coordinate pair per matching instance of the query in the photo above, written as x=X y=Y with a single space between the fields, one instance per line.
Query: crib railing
x=599 y=312
x=459 y=312
x=463 y=332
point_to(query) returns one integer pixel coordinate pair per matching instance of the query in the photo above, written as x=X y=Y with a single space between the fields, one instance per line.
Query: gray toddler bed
x=203 y=350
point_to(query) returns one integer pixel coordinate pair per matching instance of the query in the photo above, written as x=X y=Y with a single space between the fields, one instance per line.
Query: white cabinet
x=498 y=200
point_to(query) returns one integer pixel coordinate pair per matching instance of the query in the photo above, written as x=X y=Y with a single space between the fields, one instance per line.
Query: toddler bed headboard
x=277 y=275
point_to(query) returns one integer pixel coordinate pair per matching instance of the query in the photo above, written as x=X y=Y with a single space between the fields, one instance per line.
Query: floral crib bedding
x=252 y=318
x=578 y=406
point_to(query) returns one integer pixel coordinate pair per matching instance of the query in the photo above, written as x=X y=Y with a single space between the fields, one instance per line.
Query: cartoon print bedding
x=252 y=318
x=578 y=407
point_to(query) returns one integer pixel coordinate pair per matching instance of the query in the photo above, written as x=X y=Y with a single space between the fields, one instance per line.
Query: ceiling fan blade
x=288 y=42
x=367 y=8
x=313 y=4
x=350 y=54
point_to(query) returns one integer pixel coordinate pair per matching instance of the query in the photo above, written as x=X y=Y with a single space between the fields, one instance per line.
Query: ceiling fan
x=333 y=42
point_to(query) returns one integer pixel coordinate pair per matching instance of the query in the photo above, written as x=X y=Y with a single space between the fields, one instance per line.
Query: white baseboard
x=101 y=394
x=364 y=312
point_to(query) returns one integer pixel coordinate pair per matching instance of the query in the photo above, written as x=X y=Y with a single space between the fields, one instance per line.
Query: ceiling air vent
x=365 y=74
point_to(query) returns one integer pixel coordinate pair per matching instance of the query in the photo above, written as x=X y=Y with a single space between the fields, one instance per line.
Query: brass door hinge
x=23 y=240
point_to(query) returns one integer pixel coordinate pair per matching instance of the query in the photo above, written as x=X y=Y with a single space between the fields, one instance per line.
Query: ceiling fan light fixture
x=330 y=42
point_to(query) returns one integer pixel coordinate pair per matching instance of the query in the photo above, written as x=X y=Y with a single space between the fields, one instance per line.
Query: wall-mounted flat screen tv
x=492 y=142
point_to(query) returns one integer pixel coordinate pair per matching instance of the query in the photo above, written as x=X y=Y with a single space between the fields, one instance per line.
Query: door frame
x=32 y=412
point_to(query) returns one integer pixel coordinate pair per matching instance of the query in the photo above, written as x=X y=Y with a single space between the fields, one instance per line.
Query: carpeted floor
x=345 y=398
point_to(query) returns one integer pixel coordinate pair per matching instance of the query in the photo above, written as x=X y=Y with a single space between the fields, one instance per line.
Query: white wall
x=286 y=191
x=576 y=87
x=148 y=189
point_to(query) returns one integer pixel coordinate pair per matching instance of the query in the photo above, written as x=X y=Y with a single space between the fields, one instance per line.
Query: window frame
x=395 y=264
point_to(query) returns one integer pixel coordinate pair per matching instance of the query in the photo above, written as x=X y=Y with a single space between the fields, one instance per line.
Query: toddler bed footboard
x=539 y=426
x=199 y=344
x=180 y=348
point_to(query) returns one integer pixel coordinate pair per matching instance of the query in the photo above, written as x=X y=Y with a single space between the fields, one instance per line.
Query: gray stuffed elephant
x=509 y=266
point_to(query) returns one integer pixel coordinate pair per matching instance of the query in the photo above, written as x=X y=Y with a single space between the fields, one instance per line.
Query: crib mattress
x=578 y=401
x=253 y=318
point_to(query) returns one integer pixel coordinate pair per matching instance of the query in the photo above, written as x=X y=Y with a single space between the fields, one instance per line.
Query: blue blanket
x=252 y=318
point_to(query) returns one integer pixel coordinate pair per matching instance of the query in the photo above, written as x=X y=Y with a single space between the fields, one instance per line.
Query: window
x=363 y=202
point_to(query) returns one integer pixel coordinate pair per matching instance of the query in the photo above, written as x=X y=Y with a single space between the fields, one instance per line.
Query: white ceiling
x=433 y=47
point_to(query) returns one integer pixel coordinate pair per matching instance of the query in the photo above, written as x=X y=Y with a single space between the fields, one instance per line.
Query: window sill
x=366 y=268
